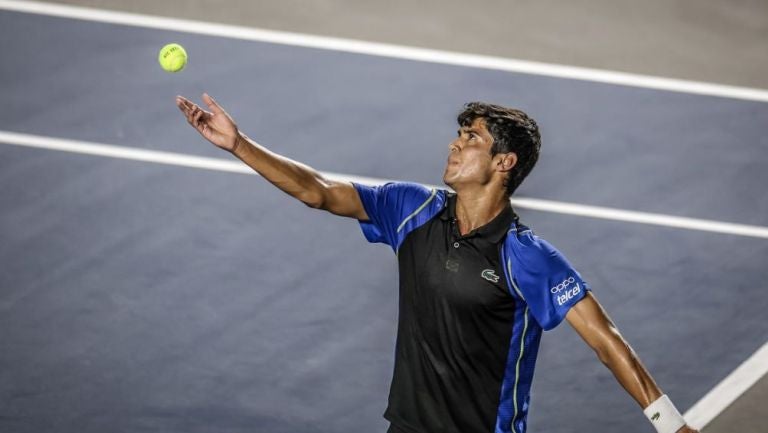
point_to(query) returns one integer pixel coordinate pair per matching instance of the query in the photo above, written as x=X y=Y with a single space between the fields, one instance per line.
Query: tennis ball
x=172 y=57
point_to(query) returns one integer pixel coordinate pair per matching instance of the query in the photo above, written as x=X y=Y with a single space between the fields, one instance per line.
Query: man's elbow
x=337 y=198
x=320 y=195
x=314 y=197
x=314 y=200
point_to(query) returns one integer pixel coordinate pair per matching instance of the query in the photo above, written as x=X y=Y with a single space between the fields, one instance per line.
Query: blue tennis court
x=137 y=296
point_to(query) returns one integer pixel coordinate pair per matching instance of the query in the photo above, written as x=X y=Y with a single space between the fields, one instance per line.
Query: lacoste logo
x=490 y=275
x=655 y=416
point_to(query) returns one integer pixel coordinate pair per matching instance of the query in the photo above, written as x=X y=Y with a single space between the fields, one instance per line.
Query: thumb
x=213 y=105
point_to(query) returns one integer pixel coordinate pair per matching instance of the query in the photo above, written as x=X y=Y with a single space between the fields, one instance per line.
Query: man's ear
x=507 y=161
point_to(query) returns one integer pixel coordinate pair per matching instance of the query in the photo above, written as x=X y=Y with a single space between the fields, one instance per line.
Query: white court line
x=219 y=164
x=387 y=50
x=729 y=389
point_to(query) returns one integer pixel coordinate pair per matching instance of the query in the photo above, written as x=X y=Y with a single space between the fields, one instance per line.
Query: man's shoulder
x=530 y=250
x=523 y=239
x=414 y=188
x=412 y=196
x=396 y=208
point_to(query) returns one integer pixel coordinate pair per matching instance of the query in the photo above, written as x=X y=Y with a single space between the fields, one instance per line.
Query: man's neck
x=476 y=208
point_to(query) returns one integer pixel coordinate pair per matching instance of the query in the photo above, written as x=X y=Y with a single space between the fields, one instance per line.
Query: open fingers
x=185 y=105
x=196 y=117
x=194 y=113
x=189 y=113
x=183 y=102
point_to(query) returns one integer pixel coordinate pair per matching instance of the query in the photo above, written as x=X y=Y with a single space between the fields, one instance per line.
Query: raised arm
x=296 y=179
x=591 y=322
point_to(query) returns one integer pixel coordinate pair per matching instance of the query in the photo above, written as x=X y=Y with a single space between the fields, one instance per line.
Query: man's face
x=469 y=157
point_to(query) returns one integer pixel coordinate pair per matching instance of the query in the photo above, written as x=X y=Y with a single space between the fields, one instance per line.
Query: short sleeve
x=394 y=209
x=544 y=278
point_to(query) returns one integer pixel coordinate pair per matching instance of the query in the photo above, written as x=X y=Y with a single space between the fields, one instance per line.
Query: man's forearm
x=619 y=357
x=296 y=179
x=592 y=323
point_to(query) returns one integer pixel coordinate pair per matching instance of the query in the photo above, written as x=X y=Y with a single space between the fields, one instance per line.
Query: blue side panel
x=518 y=374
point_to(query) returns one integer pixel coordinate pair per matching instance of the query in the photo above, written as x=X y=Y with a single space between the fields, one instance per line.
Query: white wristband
x=664 y=416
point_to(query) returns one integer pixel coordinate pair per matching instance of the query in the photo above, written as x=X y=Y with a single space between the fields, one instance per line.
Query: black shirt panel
x=454 y=327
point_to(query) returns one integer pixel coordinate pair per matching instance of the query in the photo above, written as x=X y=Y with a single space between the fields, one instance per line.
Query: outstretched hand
x=215 y=125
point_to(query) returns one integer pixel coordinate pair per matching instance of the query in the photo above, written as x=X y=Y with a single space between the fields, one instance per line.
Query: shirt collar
x=494 y=231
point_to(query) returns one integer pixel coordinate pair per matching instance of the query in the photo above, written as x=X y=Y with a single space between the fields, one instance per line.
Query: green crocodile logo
x=656 y=416
x=490 y=275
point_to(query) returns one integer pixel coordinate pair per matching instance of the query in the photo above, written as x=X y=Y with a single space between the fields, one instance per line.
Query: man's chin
x=447 y=182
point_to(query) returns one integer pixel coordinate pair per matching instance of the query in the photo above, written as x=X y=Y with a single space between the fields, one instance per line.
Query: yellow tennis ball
x=172 y=57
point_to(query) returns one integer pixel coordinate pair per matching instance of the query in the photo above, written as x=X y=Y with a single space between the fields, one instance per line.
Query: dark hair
x=512 y=131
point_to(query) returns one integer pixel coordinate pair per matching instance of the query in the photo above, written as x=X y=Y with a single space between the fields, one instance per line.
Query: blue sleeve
x=393 y=209
x=545 y=279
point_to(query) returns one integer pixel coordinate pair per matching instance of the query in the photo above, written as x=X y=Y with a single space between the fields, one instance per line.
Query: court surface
x=137 y=296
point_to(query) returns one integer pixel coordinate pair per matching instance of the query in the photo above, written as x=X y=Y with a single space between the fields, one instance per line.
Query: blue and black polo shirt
x=471 y=311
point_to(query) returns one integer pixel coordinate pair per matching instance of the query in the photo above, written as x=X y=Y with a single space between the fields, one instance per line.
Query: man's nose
x=454 y=146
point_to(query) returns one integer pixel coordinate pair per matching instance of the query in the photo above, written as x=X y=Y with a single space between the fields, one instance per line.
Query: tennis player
x=477 y=287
